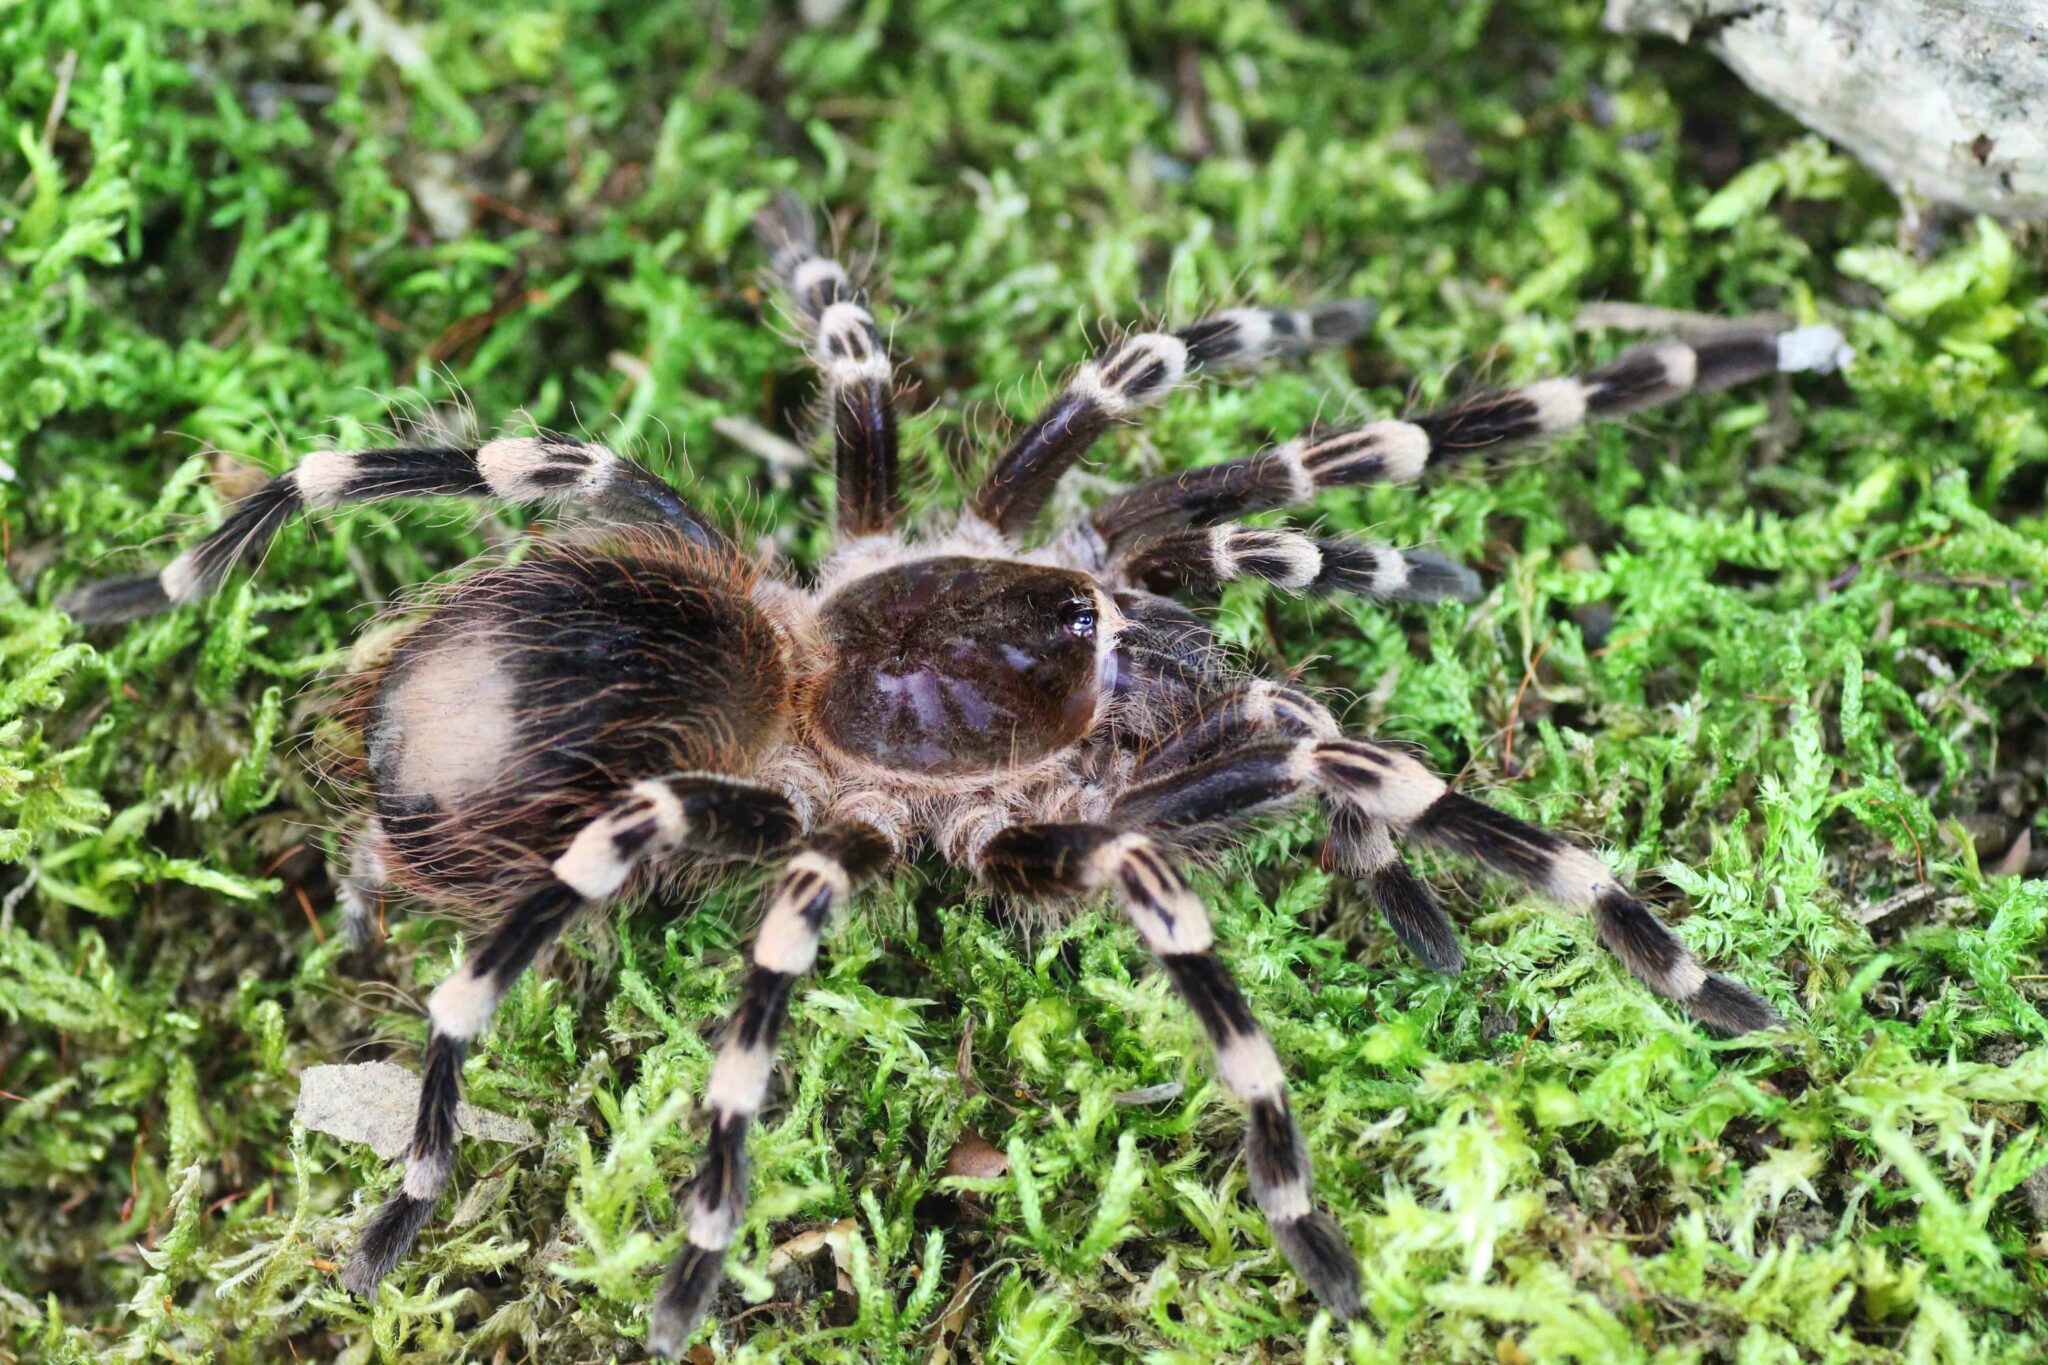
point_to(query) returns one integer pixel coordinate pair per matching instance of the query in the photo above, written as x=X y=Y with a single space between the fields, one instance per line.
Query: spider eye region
x=1077 y=618
x=955 y=665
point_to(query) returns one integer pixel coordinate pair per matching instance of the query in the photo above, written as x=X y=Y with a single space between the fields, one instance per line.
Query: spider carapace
x=955 y=666
x=553 y=734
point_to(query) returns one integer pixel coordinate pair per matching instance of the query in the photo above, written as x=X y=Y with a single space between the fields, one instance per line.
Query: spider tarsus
x=358 y=928
x=391 y=1233
x=1417 y=918
x=1725 y=1004
x=1317 y=1249
x=358 y=961
x=1340 y=320
x=1434 y=578
x=361 y=896
x=111 y=601
x=786 y=222
x=684 y=1299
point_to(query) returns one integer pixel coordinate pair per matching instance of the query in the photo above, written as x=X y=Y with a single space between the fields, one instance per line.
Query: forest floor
x=1778 y=653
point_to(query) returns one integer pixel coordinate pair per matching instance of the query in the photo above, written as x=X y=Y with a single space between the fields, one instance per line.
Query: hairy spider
x=554 y=733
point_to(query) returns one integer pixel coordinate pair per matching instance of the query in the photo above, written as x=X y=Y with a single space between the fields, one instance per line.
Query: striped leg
x=362 y=888
x=1260 y=709
x=700 y=812
x=1392 y=452
x=1136 y=373
x=1363 y=848
x=847 y=348
x=525 y=469
x=1043 y=860
x=1388 y=787
x=811 y=884
x=1208 y=556
x=1358 y=847
x=1165 y=652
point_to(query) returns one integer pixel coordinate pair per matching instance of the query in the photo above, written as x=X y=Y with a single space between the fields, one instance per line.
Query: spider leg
x=1206 y=557
x=1170 y=659
x=1138 y=372
x=362 y=887
x=811 y=884
x=1386 y=786
x=1226 y=718
x=1363 y=848
x=853 y=360
x=1067 y=859
x=523 y=469
x=703 y=812
x=1359 y=847
x=1165 y=653
x=1393 y=451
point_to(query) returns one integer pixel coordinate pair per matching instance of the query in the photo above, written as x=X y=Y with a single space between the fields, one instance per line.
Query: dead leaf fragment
x=2014 y=860
x=975 y=1156
x=235 y=478
x=805 y=1246
x=954 y=1321
x=374 y=1102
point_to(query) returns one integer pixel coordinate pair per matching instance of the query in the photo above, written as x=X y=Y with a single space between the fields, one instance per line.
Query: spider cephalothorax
x=953 y=665
x=552 y=731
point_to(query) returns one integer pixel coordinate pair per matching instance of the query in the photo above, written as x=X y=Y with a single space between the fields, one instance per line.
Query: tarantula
x=556 y=732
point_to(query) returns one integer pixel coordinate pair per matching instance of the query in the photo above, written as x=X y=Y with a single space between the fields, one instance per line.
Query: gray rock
x=1947 y=100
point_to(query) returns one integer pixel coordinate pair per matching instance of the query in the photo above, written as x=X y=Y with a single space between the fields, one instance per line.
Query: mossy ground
x=1779 y=652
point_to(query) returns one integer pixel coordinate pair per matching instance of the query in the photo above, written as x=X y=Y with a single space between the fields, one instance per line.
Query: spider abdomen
x=519 y=707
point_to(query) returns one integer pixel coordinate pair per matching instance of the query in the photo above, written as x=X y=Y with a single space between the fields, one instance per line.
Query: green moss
x=1781 y=649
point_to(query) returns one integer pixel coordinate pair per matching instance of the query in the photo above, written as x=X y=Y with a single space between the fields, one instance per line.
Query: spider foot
x=1315 y=1246
x=112 y=600
x=684 y=1300
x=1650 y=950
x=384 y=1243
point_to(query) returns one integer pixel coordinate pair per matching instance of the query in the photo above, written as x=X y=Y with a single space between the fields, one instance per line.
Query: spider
x=554 y=734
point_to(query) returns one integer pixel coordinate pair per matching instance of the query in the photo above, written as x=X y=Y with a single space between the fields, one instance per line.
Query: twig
x=1912 y=898
x=1507 y=747
x=1528 y=1039
x=306 y=904
x=14 y=897
x=67 y=67
x=1627 y=639
x=490 y=203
